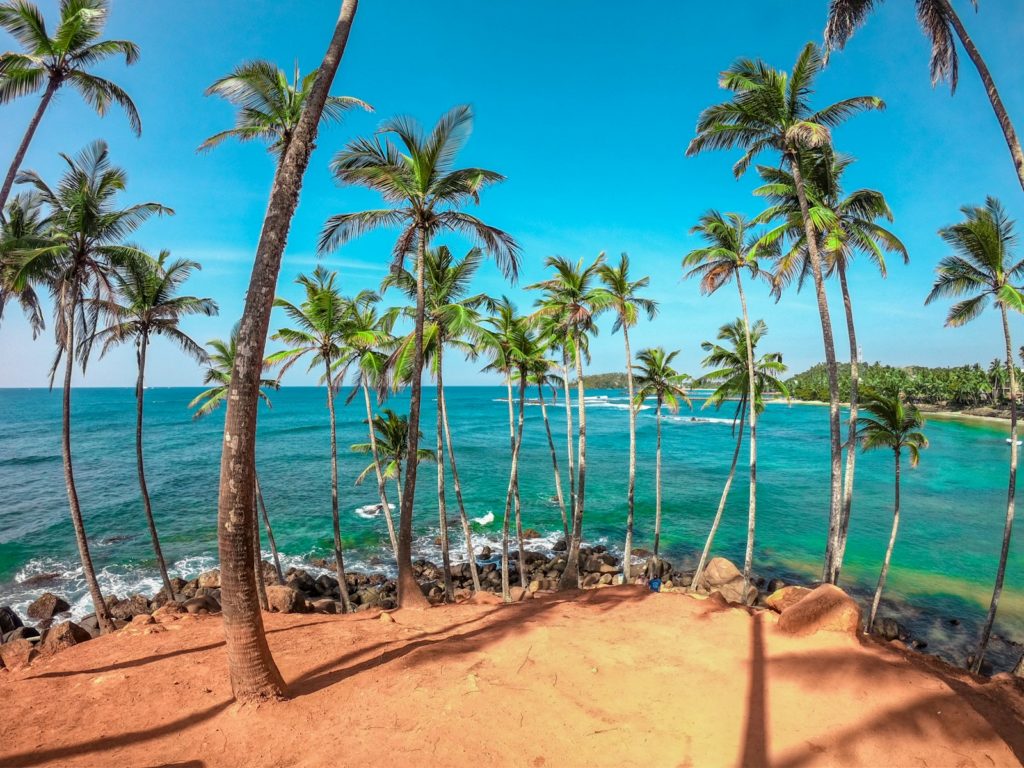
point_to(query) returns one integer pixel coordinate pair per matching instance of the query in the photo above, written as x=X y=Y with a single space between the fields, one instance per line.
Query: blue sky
x=587 y=111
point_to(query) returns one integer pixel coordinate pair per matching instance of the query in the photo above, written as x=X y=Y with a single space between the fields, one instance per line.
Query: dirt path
x=615 y=677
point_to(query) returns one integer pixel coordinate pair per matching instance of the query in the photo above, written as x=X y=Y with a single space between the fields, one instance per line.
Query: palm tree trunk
x=147 y=507
x=990 y=88
x=463 y=517
x=1004 y=552
x=270 y=530
x=506 y=520
x=888 y=550
x=381 y=487
x=519 y=505
x=571 y=575
x=339 y=555
x=442 y=507
x=102 y=611
x=627 y=550
x=657 y=485
x=554 y=460
x=568 y=436
x=721 y=504
x=851 y=429
x=748 y=557
x=835 y=448
x=409 y=593
x=19 y=156
x=515 y=492
x=254 y=675
x=257 y=559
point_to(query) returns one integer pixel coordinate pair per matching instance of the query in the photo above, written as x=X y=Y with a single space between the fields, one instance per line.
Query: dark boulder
x=560 y=546
x=301 y=580
x=21 y=633
x=47 y=606
x=62 y=636
x=531 y=533
x=131 y=606
x=201 y=605
x=17 y=654
x=42 y=579
x=326 y=585
x=889 y=629
x=285 y=600
x=9 y=620
x=775 y=585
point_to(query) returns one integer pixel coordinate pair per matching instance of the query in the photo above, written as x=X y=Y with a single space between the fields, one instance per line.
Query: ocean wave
x=372 y=511
x=696 y=420
x=486 y=519
x=21 y=461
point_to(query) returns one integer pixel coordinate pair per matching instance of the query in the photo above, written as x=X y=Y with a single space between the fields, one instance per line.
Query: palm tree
x=429 y=195
x=542 y=377
x=391 y=442
x=319 y=335
x=770 y=109
x=982 y=268
x=731 y=376
x=658 y=379
x=451 y=319
x=893 y=424
x=570 y=305
x=220 y=363
x=22 y=229
x=939 y=21
x=64 y=59
x=85 y=233
x=146 y=304
x=254 y=675
x=846 y=225
x=997 y=378
x=368 y=341
x=732 y=247
x=269 y=107
x=628 y=305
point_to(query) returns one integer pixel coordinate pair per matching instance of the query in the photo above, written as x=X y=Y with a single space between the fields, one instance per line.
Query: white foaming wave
x=696 y=420
x=485 y=519
x=372 y=511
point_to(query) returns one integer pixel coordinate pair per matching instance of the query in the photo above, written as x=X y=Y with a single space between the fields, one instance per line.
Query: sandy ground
x=611 y=677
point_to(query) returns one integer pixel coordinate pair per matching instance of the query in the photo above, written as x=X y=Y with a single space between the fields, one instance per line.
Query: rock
x=21 y=633
x=531 y=533
x=169 y=609
x=201 y=605
x=41 y=579
x=325 y=606
x=783 y=598
x=486 y=553
x=132 y=605
x=775 y=585
x=517 y=594
x=47 y=606
x=560 y=546
x=284 y=599
x=300 y=580
x=62 y=636
x=387 y=618
x=209 y=579
x=826 y=609
x=717 y=572
x=90 y=624
x=590 y=580
x=17 y=654
x=889 y=629
x=9 y=620
x=534 y=587
x=142 y=619
x=326 y=585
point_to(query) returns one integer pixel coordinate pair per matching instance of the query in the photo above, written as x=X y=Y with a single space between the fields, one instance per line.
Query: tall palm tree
x=391 y=433
x=429 y=194
x=269 y=107
x=146 y=303
x=85 y=242
x=731 y=376
x=628 y=305
x=997 y=378
x=542 y=377
x=770 y=110
x=845 y=225
x=658 y=379
x=319 y=335
x=64 y=59
x=732 y=247
x=940 y=22
x=570 y=305
x=22 y=229
x=368 y=343
x=220 y=363
x=452 y=319
x=894 y=424
x=983 y=267
x=254 y=675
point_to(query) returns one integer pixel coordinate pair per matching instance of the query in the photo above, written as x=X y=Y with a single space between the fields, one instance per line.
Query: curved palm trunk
x=463 y=517
x=409 y=593
x=257 y=559
x=888 y=550
x=339 y=555
x=442 y=507
x=1004 y=552
x=19 y=156
x=517 y=500
x=571 y=575
x=657 y=485
x=554 y=460
x=102 y=612
x=851 y=429
x=568 y=437
x=147 y=507
x=721 y=504
x=513 y=478
x=1016 y=154
x=254 y=675
x=519 y=504
x=835 y=448
x=381 y=486
x=270 y=530
x=627 y=550
x=748 y=557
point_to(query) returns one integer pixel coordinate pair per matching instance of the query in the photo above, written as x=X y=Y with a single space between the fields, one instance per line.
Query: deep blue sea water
x=944 y=562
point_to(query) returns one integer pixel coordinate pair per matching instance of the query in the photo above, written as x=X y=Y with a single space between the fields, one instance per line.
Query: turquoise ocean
x=943 y=565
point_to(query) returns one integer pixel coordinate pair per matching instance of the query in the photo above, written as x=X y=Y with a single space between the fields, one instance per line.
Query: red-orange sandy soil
x=610 y=677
